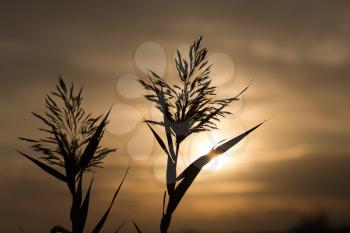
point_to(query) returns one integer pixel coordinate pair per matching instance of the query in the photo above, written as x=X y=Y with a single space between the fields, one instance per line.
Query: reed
x=69 y=149
x=187 y=109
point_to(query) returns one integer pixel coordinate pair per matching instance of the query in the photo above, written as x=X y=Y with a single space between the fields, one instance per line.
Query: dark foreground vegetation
x=314 y=224
x=318 y=224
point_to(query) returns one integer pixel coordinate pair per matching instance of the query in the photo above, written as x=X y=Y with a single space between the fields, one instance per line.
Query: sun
x=217 y=163
x=201 y=145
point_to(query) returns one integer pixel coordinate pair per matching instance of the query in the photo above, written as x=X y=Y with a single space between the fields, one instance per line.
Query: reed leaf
x=59 y=229
x=190 y=173
x=120 y=226
x=187 y=108
x=92 y=145
x=76 y=202
x=217 y=150
x=160 y=142
x=79 y=192
x=100 y=224
x=136 y=226
x=222 y=148
x=72 y=143
x=84 y=209
x=164 y=199
x=46 y=168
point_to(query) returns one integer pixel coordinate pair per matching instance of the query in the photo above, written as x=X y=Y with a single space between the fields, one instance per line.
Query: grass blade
x=75 y=209
x=120 y=226
x=164 y=199
x=59 y=229
x=100 y=224
x=220 y=149
x=191 y=172
x=84 y=209
x=160 y=142
x=46 y=168
x=216 y=151
x=79 y=190
x=136 y=226
x=92 y=145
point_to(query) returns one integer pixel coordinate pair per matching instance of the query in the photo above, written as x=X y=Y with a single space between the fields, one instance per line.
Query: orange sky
x=295 y=55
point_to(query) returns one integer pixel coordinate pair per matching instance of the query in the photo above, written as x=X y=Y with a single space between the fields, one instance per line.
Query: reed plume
x=70 y=149
x=187 y=109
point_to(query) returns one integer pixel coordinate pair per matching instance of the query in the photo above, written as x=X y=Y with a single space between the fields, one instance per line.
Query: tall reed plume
x=187 y=109
x=70 y=149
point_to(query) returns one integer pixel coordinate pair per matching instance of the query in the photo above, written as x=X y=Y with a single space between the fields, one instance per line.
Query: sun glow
x=201 y=145
x=217 y=163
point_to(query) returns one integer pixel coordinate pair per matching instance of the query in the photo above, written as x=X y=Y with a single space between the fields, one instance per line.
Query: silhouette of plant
x=187 y=109
x=319 y=223
x=70 y=148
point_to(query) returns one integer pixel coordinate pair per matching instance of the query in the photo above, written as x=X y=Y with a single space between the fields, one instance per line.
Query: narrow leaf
x=100 y=224
x=92 y=145
x=84 y=209
x=136 y=226
x=59 y=229
x=46 y=168
x=75 y=209
x=191 y=172
x=220 y=149
x=79 y=190
x=160 y=142
x=120 y=226
x=164 y=197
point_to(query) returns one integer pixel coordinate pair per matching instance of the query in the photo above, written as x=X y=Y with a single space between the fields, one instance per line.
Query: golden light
x=201 y=145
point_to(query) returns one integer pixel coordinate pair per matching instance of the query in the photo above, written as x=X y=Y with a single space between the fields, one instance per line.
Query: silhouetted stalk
x=189 y=109
x=70 y=149
x=166 y=218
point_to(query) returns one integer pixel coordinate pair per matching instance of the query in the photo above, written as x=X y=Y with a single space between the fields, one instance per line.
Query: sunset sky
x=294 y=54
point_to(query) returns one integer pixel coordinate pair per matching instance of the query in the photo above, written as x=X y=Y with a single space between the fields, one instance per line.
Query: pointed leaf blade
x=164 y=199
x=197 y=164
x=188 y=176
x=220 y=149
x=75 y=209
x=100 y=224
x=120 y=226
x=160 y=142
x=191 y=172
x=46 y=168
x=136 y=226
x=84 y=209
x=217 y=150
x=92 y=146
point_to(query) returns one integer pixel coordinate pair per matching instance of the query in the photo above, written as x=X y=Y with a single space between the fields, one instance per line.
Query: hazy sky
x=296 y=54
